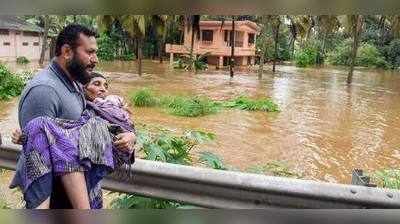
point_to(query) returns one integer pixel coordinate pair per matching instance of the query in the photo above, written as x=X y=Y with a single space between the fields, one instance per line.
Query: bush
x=392 y=54
x=245 y=103
x=11 y=85
x=190 y=106
x=144 y=98
x=341 y=54
x=22 y=60
x=107 y=48
x=195 y=106
x=191 y=63
x=129 y=56
x=306 y=56
x=369 y=56
x=389 y=178
x=167 y=147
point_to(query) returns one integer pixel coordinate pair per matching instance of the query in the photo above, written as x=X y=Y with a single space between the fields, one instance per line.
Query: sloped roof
x=15 y=23
x=228 y=23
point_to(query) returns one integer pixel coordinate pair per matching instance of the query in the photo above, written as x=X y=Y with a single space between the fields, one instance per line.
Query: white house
x=19 y=38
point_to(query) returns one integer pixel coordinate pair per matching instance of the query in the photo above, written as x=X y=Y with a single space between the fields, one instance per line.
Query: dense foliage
x=11 y=84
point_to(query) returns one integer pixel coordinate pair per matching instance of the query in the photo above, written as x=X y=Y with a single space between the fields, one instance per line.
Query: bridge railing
x=227 y=189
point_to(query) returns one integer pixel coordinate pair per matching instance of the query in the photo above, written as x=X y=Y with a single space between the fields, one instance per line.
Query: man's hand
x=125 y=141
x=16 y=137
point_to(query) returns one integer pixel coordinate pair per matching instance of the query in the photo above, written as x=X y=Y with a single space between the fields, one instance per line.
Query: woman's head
x=96 y=87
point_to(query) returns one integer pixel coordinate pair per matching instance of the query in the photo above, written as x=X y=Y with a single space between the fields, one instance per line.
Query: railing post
x=358 y=178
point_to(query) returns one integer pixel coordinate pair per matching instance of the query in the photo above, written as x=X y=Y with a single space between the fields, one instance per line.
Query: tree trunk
x=276 y=39
x=321 y=54
x=232 y=60
x=160 y=51
x=44 y=41
x=261 y=68
x=139 y=55
x=382 y=29
x=291 y=47
x=356 y=35
x=181 y=37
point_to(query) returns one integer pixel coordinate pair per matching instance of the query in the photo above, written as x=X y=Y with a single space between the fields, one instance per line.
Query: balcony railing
x=227 y=189
x=237 y=44
x=206 y=42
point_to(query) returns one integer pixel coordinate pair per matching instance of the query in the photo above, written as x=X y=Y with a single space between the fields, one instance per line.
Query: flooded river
x=324 y=130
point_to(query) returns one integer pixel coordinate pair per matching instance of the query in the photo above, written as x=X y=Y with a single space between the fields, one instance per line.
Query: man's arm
x=40 y=101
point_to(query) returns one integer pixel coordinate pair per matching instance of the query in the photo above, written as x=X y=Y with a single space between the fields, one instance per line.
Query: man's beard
x=78 y=71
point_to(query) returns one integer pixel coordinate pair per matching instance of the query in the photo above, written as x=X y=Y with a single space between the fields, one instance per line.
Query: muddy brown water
x=325 y=128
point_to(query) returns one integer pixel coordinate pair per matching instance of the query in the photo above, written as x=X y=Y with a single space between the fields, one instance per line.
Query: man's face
x=84 y=59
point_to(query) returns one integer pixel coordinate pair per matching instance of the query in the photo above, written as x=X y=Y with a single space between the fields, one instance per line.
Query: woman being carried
x=82 y=152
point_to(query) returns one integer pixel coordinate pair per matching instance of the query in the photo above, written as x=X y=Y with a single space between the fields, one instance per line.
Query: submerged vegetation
x=195 y=106
x=22 y=60
x=274 y=168
x=190 y=106
x=389 y=178
x=11 y=84
x=245 y=103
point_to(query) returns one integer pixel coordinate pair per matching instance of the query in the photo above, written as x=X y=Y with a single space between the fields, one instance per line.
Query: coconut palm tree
x=161 y=23
x=134 y=25
x=354 y=26
x=275 y=24
x=50 y=24
x=232 y=40
x=292 y=26
x=326 y=25
x=193 y=26
x=46 y=27
x=263 y=39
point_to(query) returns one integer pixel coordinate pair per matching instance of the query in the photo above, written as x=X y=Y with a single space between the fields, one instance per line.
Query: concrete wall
x=20 y=44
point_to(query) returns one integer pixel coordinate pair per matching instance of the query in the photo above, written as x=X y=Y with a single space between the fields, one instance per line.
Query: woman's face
x=97 y=87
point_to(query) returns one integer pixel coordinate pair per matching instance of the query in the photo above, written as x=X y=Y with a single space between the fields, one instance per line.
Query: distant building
x=216 y=40
x=19 y=38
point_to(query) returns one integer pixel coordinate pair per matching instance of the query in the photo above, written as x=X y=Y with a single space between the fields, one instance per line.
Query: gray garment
x=50 y=93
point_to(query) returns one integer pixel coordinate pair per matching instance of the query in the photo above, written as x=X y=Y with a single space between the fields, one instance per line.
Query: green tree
x=326 y=25
x=354 y=26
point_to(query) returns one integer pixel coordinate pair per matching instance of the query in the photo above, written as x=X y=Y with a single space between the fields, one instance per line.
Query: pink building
x=19 y=38
x=216 y=40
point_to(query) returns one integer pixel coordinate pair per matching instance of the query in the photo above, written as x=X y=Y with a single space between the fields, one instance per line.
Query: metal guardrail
x=226 y=189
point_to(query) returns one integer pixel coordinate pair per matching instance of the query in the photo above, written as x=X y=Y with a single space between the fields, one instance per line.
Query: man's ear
x=66 y=51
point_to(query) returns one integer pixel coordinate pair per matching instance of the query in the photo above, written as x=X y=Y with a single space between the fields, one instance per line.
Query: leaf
x=156 y=153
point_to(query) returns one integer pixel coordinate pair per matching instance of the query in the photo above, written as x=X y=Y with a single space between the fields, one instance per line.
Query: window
x=4 y=32
x=30 y=33
x=35 y=43
x=25 y=43
x=6 y=43
x=251 y=38
x=207 y=35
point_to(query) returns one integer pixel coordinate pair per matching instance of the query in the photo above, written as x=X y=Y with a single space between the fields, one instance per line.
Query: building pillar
x=221 y=62
x=244 y=60
x=252 y=60
x=171 y=58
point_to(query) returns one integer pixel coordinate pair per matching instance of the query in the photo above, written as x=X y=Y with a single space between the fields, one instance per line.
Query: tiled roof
x=15 y=23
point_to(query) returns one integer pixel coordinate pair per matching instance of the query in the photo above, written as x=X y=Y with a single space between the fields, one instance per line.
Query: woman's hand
x=125 y=141
x=16 y=137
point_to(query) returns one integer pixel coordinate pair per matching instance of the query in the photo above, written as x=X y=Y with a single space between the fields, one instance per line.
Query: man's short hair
x=70 y=35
